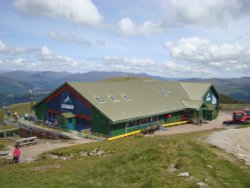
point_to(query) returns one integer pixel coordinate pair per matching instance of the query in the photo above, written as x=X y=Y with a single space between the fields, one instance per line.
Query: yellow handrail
x=175 y=123
x=135 y=132
x=124 y=135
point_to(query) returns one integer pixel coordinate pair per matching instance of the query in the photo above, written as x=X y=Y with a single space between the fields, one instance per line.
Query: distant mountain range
x=19 y=82
x=15 y=84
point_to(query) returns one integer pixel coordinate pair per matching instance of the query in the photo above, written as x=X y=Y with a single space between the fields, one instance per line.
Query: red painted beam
x=54 y=111
x=56 y=94
x=77 y=115
x=83 y=116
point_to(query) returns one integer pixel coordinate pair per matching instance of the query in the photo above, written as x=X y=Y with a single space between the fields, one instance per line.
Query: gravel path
x=236 y=141
x=195 y=128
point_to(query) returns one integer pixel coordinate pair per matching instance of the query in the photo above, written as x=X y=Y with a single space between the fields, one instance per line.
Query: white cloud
x=125 y=64
x=150 y=66
x=45 y=52
x=127 y=27
x=3 y=47
x=203 y=54
x=19 y=62
x=77 y=11
x=196 y=49
x=48 y=58
x=10 y=50
x=124 y=60
x=185 y=65
x=189 y=70
x=208 y=12
x=39 y=60
x=75 y=39
x=179 y=13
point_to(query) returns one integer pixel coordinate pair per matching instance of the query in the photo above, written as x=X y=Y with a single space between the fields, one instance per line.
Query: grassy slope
x=20 y=108
x=224 y=99
x=136 y=162
x=232 y=107
x=4 y=143
x=1 y=117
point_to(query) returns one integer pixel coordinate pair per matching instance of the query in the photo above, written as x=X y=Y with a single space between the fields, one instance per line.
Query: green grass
x=1 y=116
x=20 y=108
x=133 y=162
x=4 y=143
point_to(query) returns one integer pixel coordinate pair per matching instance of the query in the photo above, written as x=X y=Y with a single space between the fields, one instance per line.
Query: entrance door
x=70 y=126
x=204 y=114
x=209 y=115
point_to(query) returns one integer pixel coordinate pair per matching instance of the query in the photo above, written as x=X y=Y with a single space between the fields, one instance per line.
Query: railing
x=175 y=123
x=124 y=135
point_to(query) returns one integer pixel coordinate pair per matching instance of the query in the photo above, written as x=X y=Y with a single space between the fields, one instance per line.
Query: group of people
x=51 y=123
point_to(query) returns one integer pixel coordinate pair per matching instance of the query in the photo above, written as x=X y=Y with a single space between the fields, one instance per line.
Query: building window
x=99 y=99
x=127 y=97
x=114 y=98
x=131 y=124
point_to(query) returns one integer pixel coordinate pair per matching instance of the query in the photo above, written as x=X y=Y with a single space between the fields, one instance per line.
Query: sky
x=168 y=38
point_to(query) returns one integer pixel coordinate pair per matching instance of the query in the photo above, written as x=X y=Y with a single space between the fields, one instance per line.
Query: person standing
x=16 y=154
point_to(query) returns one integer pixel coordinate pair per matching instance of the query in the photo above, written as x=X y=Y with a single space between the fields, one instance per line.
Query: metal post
x=4 y=131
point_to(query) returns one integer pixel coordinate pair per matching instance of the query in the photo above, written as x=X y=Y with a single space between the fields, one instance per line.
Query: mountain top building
x=115 y=108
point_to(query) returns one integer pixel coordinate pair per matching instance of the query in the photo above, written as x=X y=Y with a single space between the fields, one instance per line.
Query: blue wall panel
x=68 y=99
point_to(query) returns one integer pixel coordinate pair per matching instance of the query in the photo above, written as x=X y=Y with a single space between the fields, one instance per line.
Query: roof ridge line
x=184 y=90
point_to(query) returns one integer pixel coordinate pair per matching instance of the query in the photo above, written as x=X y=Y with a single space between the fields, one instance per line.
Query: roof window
x=127 y=97
x=99 y=99
x=164 y=94
x=114 y=98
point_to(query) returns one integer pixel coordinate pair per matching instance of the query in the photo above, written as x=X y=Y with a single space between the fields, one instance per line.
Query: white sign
x=67 y=106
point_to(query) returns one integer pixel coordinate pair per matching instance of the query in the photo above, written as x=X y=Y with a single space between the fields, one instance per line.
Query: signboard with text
x=67 y=106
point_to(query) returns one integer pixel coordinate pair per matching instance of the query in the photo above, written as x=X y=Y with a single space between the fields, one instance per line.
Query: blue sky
x=169 y=38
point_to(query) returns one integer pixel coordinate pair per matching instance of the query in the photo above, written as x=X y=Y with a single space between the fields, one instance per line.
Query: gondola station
x=116 y=108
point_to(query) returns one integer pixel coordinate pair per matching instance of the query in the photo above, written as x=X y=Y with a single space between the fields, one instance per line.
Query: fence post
x=4 y=131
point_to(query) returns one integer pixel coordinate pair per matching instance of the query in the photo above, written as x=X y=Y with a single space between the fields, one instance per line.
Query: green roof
x=147 y=98
x=192 y=104
x=195 y=90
